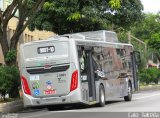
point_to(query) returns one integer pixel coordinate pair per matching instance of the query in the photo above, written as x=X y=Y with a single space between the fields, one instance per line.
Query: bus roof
x=101 y=37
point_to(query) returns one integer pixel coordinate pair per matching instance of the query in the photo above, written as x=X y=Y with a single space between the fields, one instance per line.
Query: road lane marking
x=147 y=96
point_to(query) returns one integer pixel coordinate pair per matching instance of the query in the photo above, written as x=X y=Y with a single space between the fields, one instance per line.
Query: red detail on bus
x=25 y=85
x=47 y=66
x=74 y=81
x=48 y=92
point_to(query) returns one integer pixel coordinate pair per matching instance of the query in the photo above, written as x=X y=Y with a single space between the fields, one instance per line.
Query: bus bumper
x=72 y=97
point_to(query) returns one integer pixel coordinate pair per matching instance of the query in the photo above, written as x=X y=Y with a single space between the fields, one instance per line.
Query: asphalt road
x=148 y=101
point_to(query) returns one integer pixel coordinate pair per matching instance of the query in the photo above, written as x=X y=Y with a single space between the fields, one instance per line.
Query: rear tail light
x=74 y=81
x=25 y=85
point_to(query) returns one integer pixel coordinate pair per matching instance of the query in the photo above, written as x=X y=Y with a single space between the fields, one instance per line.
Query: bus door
x=87 y=75
x=91 y=75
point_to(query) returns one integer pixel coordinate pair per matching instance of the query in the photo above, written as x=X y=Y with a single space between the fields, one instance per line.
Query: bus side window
x=97 y=66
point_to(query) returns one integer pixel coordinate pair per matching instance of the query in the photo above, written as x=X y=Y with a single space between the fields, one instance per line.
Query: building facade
x=27 y=35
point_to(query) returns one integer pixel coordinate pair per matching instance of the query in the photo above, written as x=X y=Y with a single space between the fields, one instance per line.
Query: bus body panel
x=116 y=81
x=72 y=97
x=48 y=67
x=47 y=72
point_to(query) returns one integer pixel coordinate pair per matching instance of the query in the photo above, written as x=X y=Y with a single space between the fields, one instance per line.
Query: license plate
x=49 y=92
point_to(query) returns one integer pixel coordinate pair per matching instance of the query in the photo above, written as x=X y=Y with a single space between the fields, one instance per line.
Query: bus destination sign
x=46 y=49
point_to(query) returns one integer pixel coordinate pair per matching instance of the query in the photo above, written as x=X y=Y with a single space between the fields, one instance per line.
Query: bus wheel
x=129 y=96
x=101 y=96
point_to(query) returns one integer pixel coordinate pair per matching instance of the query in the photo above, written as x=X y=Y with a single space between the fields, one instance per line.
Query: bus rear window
x=39 y=51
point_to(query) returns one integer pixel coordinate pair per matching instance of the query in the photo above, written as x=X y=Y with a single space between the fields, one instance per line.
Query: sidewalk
x=11 y=107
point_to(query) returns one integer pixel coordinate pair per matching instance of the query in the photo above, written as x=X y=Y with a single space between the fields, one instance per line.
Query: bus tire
x=101 y=96
x=129 y=96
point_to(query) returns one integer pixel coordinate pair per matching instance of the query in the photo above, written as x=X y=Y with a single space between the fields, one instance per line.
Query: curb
x=11 y=107
x=149 y=88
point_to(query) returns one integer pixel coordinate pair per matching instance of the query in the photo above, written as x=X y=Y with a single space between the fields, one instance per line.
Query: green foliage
x=150 y=75
x=67 y=16
x=148 y=30
x=115 y=4
x=122 y=35
x=128 y=14
x=74 y=16
x=154 y=42
x=9 y=81
x=11 y=56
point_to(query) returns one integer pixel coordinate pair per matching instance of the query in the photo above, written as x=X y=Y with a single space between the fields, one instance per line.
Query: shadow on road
x=33 y=109
x=64 y=107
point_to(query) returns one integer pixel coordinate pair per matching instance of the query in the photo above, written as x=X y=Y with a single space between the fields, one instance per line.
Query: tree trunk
x=3 y=41
x=15 y=39
x=17 y=34
x=14 y=42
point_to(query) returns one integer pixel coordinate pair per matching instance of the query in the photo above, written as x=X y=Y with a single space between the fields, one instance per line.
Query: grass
x=149 y=85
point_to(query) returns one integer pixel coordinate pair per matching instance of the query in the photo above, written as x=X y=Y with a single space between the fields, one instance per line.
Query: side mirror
x=137 y=57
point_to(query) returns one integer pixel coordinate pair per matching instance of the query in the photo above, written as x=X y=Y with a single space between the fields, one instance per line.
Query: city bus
x=79 y=68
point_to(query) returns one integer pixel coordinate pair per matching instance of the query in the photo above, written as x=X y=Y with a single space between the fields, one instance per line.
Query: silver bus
x=86 y=67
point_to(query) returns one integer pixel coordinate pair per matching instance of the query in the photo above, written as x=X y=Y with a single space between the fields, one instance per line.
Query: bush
x=150 y=75
x=9 y=81
x=11 y=56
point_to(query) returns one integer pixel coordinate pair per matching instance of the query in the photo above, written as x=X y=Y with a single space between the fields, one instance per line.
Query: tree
x=67 y=16
x=129 y=13
x=149 y=26
x=27 y=10
x=149 y=31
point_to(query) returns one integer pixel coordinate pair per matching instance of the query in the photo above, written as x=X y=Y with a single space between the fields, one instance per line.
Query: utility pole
x=129 y=37
x=129 y=41
x=136 y=81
